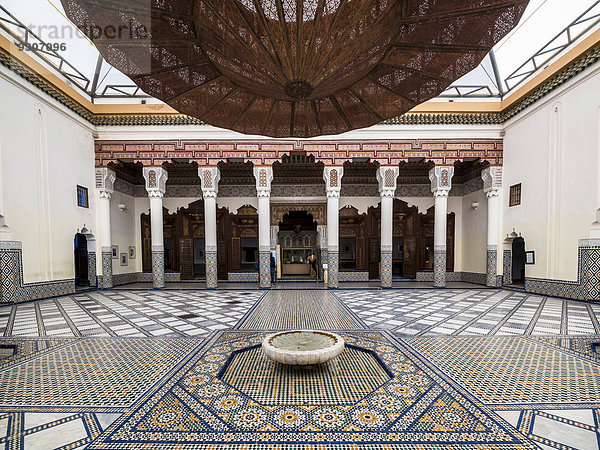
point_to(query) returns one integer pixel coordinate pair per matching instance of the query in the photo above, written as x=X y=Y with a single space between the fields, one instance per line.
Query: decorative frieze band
x=300 y=191
x=265 y=153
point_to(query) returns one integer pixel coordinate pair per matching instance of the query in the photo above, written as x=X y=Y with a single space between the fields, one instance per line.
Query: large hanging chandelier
x=294 y=67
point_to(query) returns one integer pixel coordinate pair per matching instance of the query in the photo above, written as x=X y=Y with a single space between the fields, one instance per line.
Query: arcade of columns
x=441 y=183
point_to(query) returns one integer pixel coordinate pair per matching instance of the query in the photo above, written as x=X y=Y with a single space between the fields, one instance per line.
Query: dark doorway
x=81 y=261
x=518 y=261
x=398 y=257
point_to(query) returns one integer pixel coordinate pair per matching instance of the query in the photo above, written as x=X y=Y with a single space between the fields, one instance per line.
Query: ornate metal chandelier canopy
x=294 y=67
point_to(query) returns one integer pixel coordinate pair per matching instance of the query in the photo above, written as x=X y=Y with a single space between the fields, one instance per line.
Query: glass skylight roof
x=541 y=23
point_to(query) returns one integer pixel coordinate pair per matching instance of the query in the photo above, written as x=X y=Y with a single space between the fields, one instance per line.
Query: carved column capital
x=492 y=179
x=264 y=177
x=441 y=180
x=333 y=180
x=209 y=181
x=387 y=176
x=156 y=181
x=105 y=182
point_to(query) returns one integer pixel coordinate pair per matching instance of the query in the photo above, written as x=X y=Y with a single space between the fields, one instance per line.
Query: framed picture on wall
x=530 y=257
x=131 y=252
x=115 y=251
x=123 y=259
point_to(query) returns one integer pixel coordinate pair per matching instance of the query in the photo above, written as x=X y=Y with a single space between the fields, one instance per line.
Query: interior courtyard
x=185 y=185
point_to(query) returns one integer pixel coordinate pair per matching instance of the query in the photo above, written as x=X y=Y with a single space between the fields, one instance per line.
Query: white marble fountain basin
x=303 y=347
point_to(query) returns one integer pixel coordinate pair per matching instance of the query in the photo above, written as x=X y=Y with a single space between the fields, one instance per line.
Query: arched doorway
x=299 y=244
x=518 y=261
x=81 y=260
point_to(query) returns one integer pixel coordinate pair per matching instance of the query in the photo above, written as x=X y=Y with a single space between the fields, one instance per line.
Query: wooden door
x=374 y=258
x=409 y=266
x=222 y=258
x=186 y=258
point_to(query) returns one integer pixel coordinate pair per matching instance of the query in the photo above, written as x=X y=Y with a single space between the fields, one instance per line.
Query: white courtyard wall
x=474 y=232
x=553 y=150
x=46 y=152
x=123 y=232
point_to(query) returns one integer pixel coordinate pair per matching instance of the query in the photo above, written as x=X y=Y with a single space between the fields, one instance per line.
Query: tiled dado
x=353 y=275
x=428 y=276
x=158 y=269
x=507 y=266
x=492 y=267
x=386 y=269
x=264 y=262
x=333 y=259
x=587 y=286
x=439 y=267
x=92 y=269
x=140 y=277
x=467 y=277
x=245 y=276
x=473 y=277
x=12 y=287
x=211 y=269
x=106 y=282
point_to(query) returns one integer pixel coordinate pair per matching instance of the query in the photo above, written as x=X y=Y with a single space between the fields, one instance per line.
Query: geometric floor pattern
x=94 y=373
x=464 y=368
x=129 y=313
x=283 y=310
x=52 y=430
x=459 y=312
x=343 y=381
x=196 y=408
x=500 y=371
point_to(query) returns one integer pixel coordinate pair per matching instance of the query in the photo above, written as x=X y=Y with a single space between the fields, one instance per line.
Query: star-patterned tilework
x=459 y=368
x=498 y=371
x=195 y=409
x=345 y=380
x=94 y=372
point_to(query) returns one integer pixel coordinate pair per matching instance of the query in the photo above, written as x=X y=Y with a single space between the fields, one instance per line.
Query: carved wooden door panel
x=81 y=266
x=222 y=258
x=409 y=266
x=236 y=253
x=186 y=258
x=375 y=257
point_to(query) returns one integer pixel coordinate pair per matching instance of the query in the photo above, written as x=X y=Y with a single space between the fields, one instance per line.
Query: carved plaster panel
x=317 y=210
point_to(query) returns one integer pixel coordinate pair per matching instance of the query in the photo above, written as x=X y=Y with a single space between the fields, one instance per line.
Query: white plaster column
x=322 y=233
x=105 y=179
x=209 y=179
x=441 y=183
x=264 y=177
x=91 y=249
x=5 y=234
x=492 y=182
x=333 y=186
x=386 y=176
x=156 y=180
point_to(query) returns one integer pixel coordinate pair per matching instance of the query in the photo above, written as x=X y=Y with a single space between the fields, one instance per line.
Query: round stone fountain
x=302 y=347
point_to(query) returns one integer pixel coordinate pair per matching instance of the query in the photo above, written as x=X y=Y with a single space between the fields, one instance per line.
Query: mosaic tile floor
x=459 y=368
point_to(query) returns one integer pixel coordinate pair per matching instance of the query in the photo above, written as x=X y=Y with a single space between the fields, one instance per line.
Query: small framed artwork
x=131 y=252
x=115 y=251
x=82 y=197
x=123 y=259
x=530 y=257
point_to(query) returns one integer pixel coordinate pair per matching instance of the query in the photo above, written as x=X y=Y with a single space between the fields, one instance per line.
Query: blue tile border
x=12 y=287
